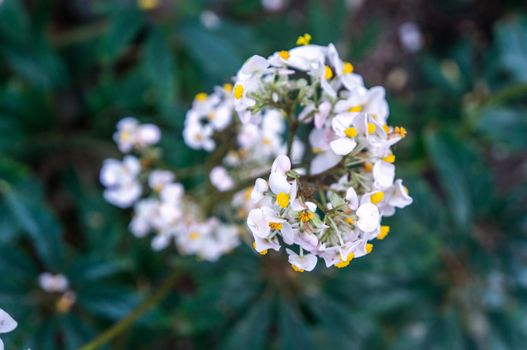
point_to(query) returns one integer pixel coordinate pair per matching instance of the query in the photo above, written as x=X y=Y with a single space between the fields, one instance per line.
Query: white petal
x=343 y=146
x=351 y=197
x=368 y=217
x=383 y=174
x=278 y=183
x=324 y=161
x=7 y=323
x=281 y=164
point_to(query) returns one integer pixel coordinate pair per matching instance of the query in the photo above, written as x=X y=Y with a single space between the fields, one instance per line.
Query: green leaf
x=251 y=332
x=505 y=125
x=511 y=40
x=294 y=333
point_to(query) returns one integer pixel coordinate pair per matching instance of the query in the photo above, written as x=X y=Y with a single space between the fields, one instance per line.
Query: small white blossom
x=52 y=283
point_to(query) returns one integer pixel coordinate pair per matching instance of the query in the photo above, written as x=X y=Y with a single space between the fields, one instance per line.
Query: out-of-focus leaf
x=35 y=218
x=251 y=331
x=294 y=333
x=108 y=300
x=449 y=158
x=505 y=125
x=511 y=37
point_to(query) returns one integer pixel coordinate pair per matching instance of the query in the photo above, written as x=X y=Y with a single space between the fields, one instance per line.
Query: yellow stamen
x=400 y=131
x=284 y=54
x=345 y=262
x=282 y=199
x=371 y=128
x=347 y=68
x=351 y=132
x=266 y=140
x=384 y=232
x=211 y=116
x=386 y=128
x=125 y=136
x=368 y=167
x=306 y=215
x=238 y=91
x=316 y=150
x=297 y=269
x=350 y=220
x=390 y=158
x=263 y=252
x=276 y=226
x=356 y=109
x=369 y=248
x=193 y=236
x=405 y=189
x=328 y=73
x=227 y=87
x=303 y=39
x=65 y=303
x=200 y=97
x=377 y=197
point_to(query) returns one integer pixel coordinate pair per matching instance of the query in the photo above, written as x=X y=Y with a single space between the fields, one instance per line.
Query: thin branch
x=135 y=314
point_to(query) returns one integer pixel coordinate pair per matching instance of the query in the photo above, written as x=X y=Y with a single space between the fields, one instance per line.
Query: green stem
x=134 y=315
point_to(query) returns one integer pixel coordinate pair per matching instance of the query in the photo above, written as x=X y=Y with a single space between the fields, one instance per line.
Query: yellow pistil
x=377 y=197
x=200 y=97
x=316 y=150
x=386 y=128
x=266 y=140
x=355 y=109
x=368 y=167
x=328 y=73
x=390 y=158
x=306 y=215
x=351 y=132
x=275 y=226
x=282 y=199
x=238 y=91
x=125 y=136
x=347 y=68
x=371 y=128
x=384 y=232
x=303 y=39
x=345 y=262
x=405 y=189
x=193 y=236
x=400 y=131
x=284 y=54
x=369 y=248
x=148 y=4
x=263 y=252
x=297 y=269
x=227 y=87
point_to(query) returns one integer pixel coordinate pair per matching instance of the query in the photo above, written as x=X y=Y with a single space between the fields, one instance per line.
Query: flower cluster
x=160 y=203
x=7 y=324
x=323 y=198
x=332 y=207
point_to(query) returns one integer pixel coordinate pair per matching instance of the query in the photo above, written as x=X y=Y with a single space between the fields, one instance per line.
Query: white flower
x=395 y=197
x=130 y=134
x=284 y=190
x=144 y=211
x=273 y=5
x=197 y=136
x=7 y=324
x=53 y=283
x=120 y=180
x=158 y=179
x=352 y=199
x=368 y=217
x=301 y=263
x=264 y=223
x=260 y=187
x=210 y=20
x=220 y=178
x=410 y=36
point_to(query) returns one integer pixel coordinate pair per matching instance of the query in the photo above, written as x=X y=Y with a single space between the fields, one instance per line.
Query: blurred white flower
x=273 y=5
x=132 y=135
x=209 y=19
x=53 y=283
x=120 y=180
x=220 y=178
x=410 y=36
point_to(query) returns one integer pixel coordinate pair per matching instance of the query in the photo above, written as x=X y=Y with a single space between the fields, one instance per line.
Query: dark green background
x=452 y=274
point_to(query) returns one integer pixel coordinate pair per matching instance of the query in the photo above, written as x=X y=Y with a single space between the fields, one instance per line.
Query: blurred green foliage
x=453 y=273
